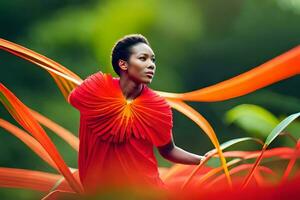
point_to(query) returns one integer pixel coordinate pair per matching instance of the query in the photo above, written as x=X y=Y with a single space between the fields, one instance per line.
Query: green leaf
x=280 y=127
x=275 y=132
x=214 y=161
x=253 y=119
x=238 y=140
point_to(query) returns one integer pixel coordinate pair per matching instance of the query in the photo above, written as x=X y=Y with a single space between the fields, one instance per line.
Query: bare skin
x=132 y=77
x=133 y=73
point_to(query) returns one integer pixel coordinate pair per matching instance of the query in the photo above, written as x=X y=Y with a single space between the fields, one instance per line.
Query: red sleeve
x=83 y=97
x=164 y=135
x=72 y=98
x=76 y=98
x=163 y=140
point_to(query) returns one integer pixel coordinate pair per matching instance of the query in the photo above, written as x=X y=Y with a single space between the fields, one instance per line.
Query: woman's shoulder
x=97 y=76
x=97 y=81
x=91 y=89
x=151 y=96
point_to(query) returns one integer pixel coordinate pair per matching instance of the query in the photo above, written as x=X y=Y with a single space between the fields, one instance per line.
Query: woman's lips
x=150 y=74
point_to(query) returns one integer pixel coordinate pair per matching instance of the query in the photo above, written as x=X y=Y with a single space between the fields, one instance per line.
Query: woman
x=121 y=119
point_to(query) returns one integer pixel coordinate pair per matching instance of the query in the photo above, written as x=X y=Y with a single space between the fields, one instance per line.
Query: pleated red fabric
x=117 y=136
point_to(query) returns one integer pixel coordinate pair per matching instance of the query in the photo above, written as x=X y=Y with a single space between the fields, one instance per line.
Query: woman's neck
x=130 y=89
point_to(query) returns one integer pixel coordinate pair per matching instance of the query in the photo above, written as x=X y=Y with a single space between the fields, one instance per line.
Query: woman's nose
x=151 y=66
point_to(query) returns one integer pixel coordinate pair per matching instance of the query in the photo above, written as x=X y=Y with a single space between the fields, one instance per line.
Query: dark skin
x=132 y=77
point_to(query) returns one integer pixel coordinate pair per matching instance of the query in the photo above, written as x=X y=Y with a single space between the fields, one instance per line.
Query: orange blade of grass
x=278 y=68
x=36 y=58
x=163 y=170
x=27 y=179
x=271 y=137
x=63 y=133
x=214 y=171
x=24 y=117
x=60 y=194
x=232 y=142
x=282 y=152
x=61 y=183
x=291 y=163
x=240 y=168
x=28 y=140
x=172 y=171
x=64 y=84
x=204 y=125
x=249 y=155
x=214 y=152
x=246 y=155
x=64 y=78
x=260 y=180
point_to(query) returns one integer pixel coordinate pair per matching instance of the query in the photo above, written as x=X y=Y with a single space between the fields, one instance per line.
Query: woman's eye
x=153 y=59
x=142 y=58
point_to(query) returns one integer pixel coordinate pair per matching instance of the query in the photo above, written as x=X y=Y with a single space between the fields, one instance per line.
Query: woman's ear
x=123 y=65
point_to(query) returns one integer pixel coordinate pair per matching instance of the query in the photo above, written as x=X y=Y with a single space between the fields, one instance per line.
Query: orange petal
x=63 y=133
x=215 y=171
x=60 y=194
x=27 y=179
x=28 y=140
x=64 y=78
x=291 y=163
x=205 y=126
x=279 y=68
x=240 y=168
x=24 y=117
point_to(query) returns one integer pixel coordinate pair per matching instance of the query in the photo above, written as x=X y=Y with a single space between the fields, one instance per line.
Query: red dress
x=116 y=136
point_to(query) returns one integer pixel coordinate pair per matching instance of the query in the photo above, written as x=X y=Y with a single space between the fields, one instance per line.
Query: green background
x=197 y=44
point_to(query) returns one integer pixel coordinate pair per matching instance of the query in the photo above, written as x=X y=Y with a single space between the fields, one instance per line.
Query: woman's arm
x=175 y=154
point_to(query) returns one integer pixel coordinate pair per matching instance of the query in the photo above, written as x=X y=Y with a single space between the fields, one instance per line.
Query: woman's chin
x=148 y=81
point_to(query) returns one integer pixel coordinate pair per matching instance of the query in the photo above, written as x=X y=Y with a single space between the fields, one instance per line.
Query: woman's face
x=141 y=64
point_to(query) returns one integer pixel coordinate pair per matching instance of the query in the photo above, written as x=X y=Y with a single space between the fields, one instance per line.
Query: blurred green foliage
x=258 y=122
x=253 y=119
x=197 y=43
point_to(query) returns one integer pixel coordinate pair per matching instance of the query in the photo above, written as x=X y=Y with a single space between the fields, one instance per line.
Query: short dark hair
x=122 y=49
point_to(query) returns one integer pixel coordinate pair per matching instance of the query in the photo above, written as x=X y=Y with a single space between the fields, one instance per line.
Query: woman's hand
x=175 y=154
